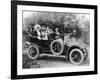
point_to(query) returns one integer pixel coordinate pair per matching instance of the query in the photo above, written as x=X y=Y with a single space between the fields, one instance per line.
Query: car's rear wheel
x=33 y=52
x=76 y=56
x=57 y=47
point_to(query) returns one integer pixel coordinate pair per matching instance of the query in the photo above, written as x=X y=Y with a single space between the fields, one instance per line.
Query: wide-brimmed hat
x=37 y=27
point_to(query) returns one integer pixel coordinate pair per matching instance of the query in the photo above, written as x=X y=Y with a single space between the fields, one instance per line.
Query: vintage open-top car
x=56 y=46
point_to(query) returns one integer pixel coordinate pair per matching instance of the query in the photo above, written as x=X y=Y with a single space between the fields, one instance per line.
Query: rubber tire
x=37 y=49
x=81 y=53
x=86 y=55
x=61 y=43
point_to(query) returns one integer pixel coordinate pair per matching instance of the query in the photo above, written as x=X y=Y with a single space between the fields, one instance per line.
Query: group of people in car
x=43 y=32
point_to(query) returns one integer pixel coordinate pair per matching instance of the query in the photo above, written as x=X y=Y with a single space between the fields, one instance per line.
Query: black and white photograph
x=53 y=39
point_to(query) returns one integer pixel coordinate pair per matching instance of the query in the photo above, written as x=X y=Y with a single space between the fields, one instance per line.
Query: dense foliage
x=75 y=25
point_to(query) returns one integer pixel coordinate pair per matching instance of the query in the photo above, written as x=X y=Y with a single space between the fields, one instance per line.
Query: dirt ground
x=49 y=61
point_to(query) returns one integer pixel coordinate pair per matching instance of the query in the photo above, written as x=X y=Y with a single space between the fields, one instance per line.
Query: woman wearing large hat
x=37 y=28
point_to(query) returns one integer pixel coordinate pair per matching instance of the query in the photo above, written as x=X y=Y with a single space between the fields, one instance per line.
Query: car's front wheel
x=33 y=52
x=76 y=56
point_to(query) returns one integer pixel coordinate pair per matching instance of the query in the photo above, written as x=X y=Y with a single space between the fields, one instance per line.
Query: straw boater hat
x=37 y=27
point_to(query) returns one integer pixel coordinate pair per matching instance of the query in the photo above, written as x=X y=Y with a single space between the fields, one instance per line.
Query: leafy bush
x=77 y=25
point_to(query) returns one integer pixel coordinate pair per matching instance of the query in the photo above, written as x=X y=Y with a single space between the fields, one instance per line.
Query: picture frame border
x=14 y=39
